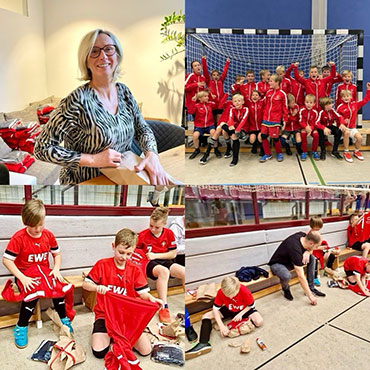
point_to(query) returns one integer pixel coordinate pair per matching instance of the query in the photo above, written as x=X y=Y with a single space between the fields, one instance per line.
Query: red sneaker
x=358 y=155
x=348 y=157
x=164 y=315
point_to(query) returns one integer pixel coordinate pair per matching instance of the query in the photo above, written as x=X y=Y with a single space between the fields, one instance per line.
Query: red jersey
x=238 y=118
x=356 y=264
x=293 y=121
x=238 y=303
x=237 y=88
x=315 y=87
x=327 y=118
x=26 y=251
x=308 y=117
x=216 y=88
x=343 y=86
x=297 y=89
x=349 y=110
x=203 y=114
x=191 y=88
x=130 y=281
x=354 y=234
x=255 y=114
x=364 y=224
x=276 y=107
x=285 y=85
x=247 y=90
x=263 y=87
x=329 y=85
x=225 y=114
x=161 y=244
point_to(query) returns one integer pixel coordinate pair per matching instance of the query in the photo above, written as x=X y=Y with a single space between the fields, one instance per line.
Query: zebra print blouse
x=85 y=126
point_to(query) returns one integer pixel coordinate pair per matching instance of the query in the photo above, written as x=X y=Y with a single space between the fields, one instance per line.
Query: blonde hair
x=324 y=101
x=276 y=78
x=160 y=213
x=310 y=96
x=85 y=48
x=347 y=72
x=280 y=69
x=125 y=237
x=237 y=93
x=33 y=212
x=230 y=286
x=344 y=93
x=291 y=98
x=263 y=72
x=316 y=222
x=200 y=94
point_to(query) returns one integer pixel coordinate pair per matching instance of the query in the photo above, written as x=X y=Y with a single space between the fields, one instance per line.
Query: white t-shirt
x=178 y=228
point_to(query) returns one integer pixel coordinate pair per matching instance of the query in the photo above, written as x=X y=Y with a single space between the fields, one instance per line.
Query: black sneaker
x=323 y=156
x=204 y=159
x=254 y=149
x=288 y=151
x=191 y=334
x=227 y=153
x=288 y=295
x=333 y=284
x=233 y=163
x=198 y=350
x=195 y=153
x=318 y=293
x=217 y=153
x=336 y=155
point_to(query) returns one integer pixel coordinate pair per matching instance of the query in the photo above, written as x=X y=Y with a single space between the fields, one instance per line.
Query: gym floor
x=332 y=335
x=13 y=358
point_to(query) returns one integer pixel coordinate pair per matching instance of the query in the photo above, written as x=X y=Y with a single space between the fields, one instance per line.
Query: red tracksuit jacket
x=263 y=87
x=285 y=85
x=297 y=89
x=191 y=88
x=276 y=107
x=349 y=111
x=255 y=114
x=203 y=114
x=247 y=90
x=351 y=87
x=216 y=87
x=293 y=121
x=330 y=84
x=308 y=117
x=327 y=118
x=238 y=118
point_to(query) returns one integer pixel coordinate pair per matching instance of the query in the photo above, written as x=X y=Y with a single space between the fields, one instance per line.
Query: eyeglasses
x=109 y=50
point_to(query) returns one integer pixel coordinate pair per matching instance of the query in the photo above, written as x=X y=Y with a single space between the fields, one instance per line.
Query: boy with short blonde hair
x=233 y=301
x=347 y=84
x=285 y=84
x=263 y=85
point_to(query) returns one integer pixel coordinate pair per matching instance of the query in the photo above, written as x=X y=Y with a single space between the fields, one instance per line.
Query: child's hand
x=283 y=127
x=326 y=131
x=150 y=256
x=204 y=57
x=308 y=129
x=101 y=289
x=331 y=64
x=346 y=121
x=238 y=317
x=56 y=273
x=29 y=283
x=201 y=84
x=342 y=128
x=367 y=85
x=157 y=300
x=227 y=59
x=224 y=331
x=296 y=64
x=294 y=113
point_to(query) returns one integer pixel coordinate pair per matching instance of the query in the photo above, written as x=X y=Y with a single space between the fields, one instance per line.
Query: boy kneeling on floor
x=233 y=301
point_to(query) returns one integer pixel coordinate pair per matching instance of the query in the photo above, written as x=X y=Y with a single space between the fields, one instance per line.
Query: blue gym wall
x=281 y=14
x=353 y=15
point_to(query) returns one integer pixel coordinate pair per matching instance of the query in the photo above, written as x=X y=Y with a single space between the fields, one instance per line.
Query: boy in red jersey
x=325 y=72
x=276 y=111
x=315 y=85
x=238 y=85
x=307 y=119
x=256 y=107
x=121 y=276
x=28 y=247
x=285 y=84
x=348 y=109
x=325 y=126
x=263 y=85
x=356 y=269
x=203 y=120
x=346 y=85
x=355 y=236
x=292 y=128
x=297 y=89
x=249 y=86
x=194 y=83
x=160 y=246
x=233 y=301
x=215 y=83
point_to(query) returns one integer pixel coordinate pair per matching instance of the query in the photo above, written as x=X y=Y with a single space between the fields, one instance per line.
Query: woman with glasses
x=99 y=120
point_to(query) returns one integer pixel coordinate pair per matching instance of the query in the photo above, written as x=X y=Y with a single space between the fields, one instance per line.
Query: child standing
x=233 y=301
x=348 y=109
x=298 y=89
x=325 y=72
x=120 y=275
x=355 y=237
x=285 y=84
x=307 y=119
x=276 y=111
x=346 y=85
x=159 y=244
x=194 y=83
x=263 y=85
x=325 y=126
x=30 y=247
x=249 y=86
x=256 y=107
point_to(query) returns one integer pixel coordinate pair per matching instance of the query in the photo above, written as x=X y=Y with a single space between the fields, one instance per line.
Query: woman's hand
x=106 y=158
x=154 y=168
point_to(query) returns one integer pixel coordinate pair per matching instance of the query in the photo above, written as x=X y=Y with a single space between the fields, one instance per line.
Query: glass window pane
x=12 y=194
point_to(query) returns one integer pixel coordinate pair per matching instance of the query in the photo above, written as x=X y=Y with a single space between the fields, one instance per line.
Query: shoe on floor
x=347 y=157
x=288 y=295
x=204 y=159
x=20 y=336
x=303 y=156
x=191 y=334
x=227 y=153
x=198 y=350
x=288 y=150
x=358 y=155
x=217 y=153
x=279 y=157
x=315 y=156
x=318 y=293
x=316 y=282
x=323 y=156
x=265 y=158
x=164 y=316
x=67 y=322
x=333 y=284
x=233 y=163
x=336 y=155
x=195 y=153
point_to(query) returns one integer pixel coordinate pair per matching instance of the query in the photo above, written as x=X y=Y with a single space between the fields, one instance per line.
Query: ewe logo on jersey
x=117 y=289
x=39 y=257
x=233 y=307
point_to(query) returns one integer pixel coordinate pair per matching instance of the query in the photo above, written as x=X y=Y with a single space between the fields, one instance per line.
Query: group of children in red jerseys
x=29 y=248
x=279 y=107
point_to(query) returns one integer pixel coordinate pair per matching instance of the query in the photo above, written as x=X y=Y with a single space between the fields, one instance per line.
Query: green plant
x=173 y=35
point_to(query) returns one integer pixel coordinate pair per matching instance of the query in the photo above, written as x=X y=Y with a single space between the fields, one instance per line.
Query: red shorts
x=270 y=131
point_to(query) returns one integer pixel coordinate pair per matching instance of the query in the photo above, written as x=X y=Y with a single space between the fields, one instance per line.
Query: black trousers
x=337 y=135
